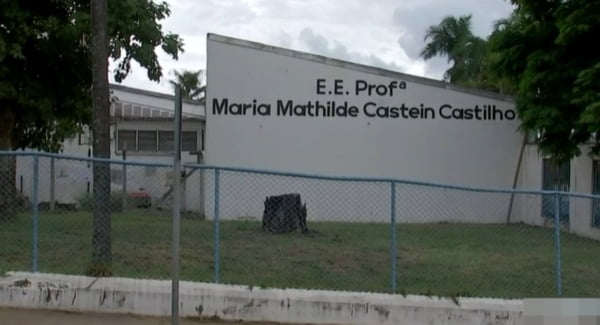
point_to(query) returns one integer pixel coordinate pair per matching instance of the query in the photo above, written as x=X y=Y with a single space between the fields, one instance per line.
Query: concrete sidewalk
x=13 y=316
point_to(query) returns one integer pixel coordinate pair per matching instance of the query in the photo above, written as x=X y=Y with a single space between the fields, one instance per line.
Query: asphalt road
x=46 y=317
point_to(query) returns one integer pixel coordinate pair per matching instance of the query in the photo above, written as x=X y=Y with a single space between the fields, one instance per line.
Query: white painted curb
x=153 y=298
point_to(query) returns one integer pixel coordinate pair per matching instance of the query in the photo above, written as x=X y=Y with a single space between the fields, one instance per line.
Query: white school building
x=141 y=124
x=270 y=108
x=278 y=109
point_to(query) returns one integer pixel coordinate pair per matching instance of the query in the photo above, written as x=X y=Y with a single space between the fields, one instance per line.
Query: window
x=118 y=109
x=127 y=110
x=189 y=141
x=147 y=141
x=126 y=139
x=165 y=141
x=156 y=141
x=202 y=139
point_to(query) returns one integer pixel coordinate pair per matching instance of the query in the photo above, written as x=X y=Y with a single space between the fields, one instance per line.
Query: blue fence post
x=216 y=227
x=35 y=214
x=557 y=242
x=393 y=241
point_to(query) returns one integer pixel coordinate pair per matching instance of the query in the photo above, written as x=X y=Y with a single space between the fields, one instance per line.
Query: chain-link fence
x=270 y=229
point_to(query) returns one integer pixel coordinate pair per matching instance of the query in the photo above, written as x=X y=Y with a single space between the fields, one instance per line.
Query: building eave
x=155 y=119
x=154 y=94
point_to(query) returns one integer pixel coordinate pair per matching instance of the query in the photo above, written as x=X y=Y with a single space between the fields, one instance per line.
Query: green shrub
x=86 y=202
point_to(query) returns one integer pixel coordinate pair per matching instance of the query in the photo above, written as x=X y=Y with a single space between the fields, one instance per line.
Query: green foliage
x=135 y=33
x=190 y=83
x=45 y=75
x=544 y=50
x=40 y=71
x=541 y=55
x=453 y=38
x=85 y=202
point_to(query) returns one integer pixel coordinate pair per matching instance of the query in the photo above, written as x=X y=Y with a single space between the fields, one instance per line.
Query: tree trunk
x=8 y=186
x=284 y=213
x=101 y=241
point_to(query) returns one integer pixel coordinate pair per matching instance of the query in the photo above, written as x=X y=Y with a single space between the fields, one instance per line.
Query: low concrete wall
x=152 y=297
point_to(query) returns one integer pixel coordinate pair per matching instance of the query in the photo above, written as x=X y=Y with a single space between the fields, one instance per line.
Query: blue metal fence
x=235 y=195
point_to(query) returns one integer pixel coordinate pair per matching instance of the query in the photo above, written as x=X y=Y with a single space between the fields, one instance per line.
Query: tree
x=40 y=82
x=453 y=38
x=7 y=168
x=45 y=74
x=101 y=239
x=45 y=80
x=190 y=83
x=544 y=50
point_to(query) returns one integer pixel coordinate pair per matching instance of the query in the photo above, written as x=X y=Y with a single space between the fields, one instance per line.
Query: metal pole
x=52 y=185
x=183 y=186
x=35 y=190
x=176 y=210
x=516 y=178
x=557 y=242
x=393 y=241
x=124 y=198
x=216 y=226
x=201 y=187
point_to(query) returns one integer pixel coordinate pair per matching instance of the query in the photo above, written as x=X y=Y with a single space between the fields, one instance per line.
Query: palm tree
x=190 y=82
x=453 y=38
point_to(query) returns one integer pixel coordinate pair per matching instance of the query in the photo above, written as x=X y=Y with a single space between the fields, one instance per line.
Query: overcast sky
x=383 y=33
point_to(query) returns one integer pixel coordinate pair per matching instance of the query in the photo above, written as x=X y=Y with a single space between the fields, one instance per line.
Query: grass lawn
x=439 y=259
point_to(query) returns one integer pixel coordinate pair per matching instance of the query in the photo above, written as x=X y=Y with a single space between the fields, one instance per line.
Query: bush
x=86 y=201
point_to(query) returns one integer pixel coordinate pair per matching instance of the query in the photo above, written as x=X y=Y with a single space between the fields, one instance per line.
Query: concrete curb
x=227 y=302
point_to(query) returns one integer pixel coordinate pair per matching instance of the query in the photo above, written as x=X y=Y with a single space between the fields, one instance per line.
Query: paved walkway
x=36 y=317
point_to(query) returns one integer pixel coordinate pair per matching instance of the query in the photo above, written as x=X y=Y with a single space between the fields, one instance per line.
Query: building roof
x=134 y=104
x=155 y=119
x=152 y=93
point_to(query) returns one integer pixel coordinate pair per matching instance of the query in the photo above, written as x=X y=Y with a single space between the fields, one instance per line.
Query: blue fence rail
x=442 y=239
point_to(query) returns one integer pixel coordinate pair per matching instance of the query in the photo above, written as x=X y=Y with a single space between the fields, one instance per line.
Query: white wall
x=442 y=150
x=528 y=207
x=72 y=176
x=581 y=208
x=451 y=151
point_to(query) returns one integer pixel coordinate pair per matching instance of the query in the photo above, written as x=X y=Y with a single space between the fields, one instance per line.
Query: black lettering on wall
x=320 y=86
x=220 y=108
x=446 y=111
x=284 y=109
x=339 y=87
